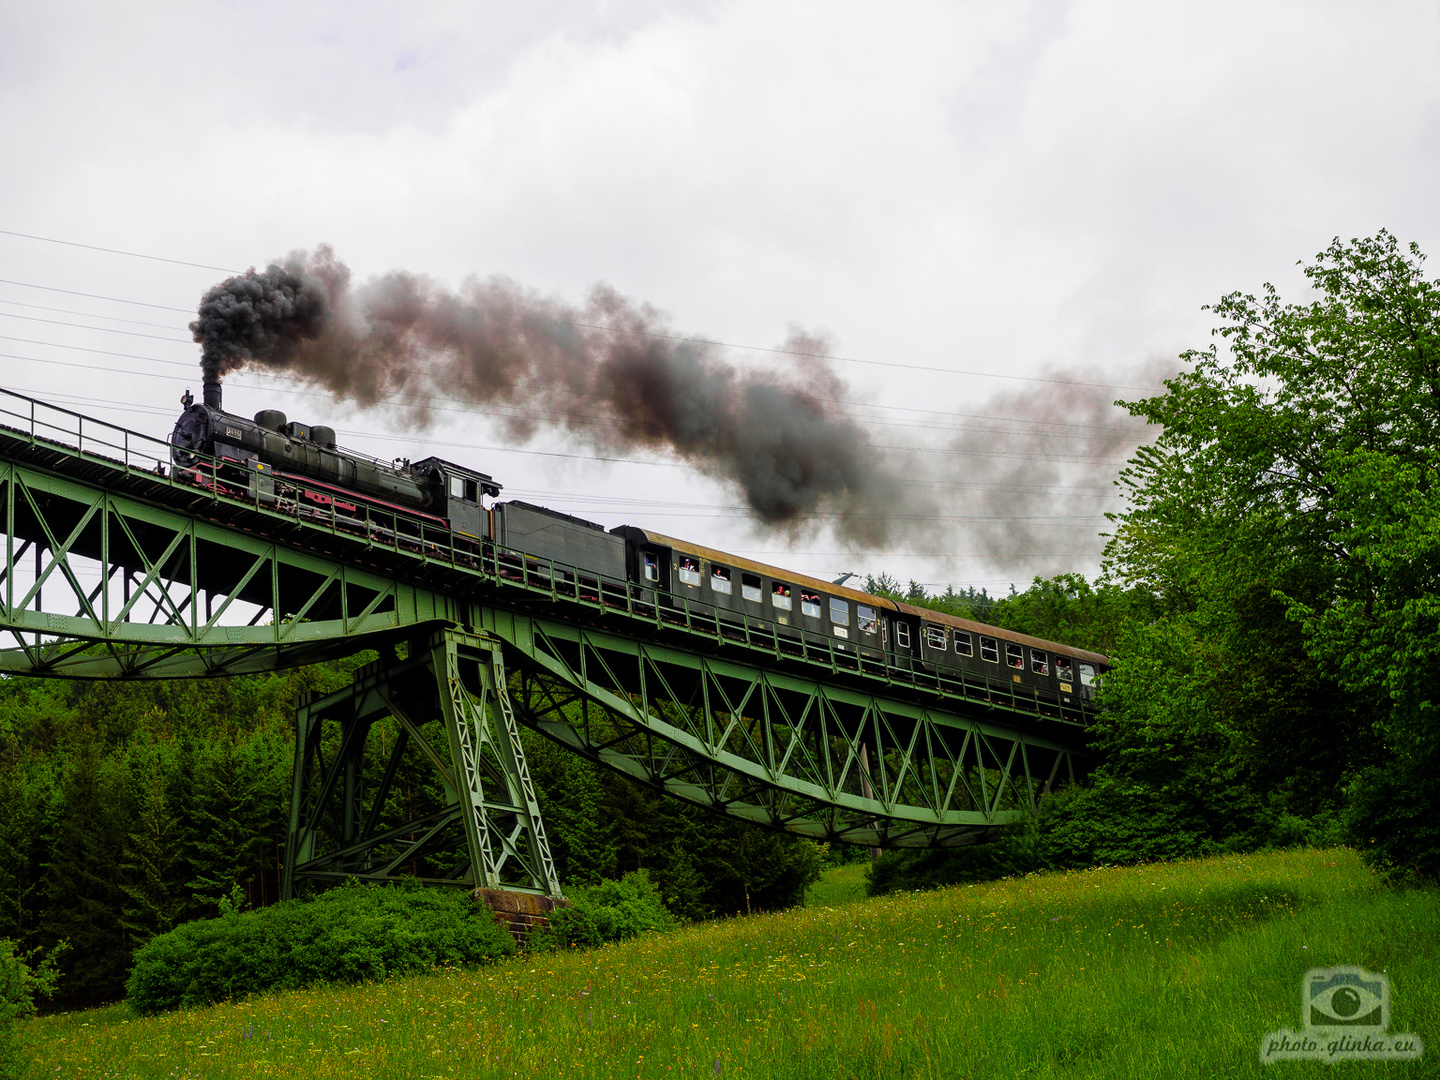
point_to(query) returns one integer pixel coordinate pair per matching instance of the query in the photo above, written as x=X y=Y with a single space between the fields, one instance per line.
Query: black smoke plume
x=1023 y=481
x=610 y=371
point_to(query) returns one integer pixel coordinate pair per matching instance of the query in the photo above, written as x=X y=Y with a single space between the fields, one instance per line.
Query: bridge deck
x=413 y=550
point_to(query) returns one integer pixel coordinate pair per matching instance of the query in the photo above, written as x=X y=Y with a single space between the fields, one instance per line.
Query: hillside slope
x=1105 y=973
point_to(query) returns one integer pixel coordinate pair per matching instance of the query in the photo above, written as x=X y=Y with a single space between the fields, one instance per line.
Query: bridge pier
x=452 y=721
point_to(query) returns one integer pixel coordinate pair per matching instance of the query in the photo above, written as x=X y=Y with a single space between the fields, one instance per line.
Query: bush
x=350 y=934
x=610 y=911
x=1014 y=853
x=1392 y=819
x=21 y=984
x=1107 y=822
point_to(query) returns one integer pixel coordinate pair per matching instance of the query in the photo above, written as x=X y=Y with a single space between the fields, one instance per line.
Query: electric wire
x=154 y=410
x=95 y=296
x=680 y=338
x=85 y=314
x=531 y=414
x=879 y=406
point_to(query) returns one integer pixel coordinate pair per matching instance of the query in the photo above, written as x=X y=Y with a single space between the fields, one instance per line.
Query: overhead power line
x=513 y=410
x=94 y=296
x=683 y=338
x=87 y=315
x=119 y=251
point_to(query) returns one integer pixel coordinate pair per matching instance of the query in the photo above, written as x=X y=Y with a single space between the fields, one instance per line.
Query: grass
x=1176 y=970
x=839 y=885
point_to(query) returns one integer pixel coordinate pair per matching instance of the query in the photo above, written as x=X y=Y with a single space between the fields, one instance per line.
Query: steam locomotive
x=212 y=447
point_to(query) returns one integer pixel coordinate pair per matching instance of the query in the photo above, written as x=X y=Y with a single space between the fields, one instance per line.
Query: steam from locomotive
x=611 y=372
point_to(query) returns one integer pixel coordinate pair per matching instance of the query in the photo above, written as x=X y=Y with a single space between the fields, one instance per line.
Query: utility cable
x=681 y=338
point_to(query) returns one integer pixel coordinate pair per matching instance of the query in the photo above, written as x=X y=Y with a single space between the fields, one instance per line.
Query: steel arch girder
x=850 y=766
x=163 y=583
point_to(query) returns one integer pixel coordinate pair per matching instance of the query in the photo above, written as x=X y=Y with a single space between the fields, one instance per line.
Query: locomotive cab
x=464 y=493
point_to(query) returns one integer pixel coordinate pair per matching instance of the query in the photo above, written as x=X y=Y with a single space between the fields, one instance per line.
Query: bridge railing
x=41 y=421
x=664 y=610
x=417 y=536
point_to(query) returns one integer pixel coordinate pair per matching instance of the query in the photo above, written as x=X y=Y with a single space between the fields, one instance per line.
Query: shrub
x=349 y=934
x=20 y=984
x=1391 y=818
x=1014 y=853
x=610 y=911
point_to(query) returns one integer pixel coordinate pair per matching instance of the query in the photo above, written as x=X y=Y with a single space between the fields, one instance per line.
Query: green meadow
x=1175 y=970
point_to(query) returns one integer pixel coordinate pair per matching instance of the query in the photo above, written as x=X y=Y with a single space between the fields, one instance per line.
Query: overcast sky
x=1001 y=216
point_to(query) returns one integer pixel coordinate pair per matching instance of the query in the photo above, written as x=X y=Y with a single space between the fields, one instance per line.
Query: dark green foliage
x=972 y=603
x=610 y=911
x=23 y=979
x=1392 y=816
x=238 y=815
x=129 y=807
x=1284 y=529
x=1110 y=822
x=602 y=825
x=354 y=933
x=83 y=897
x=907 y=871
x=582 y=838
x=151 y=868
x=1069 y=609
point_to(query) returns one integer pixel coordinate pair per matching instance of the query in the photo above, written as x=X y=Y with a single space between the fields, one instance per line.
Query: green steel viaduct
x=114 y=568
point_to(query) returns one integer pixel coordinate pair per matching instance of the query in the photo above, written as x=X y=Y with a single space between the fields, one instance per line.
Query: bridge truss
x=116 y=568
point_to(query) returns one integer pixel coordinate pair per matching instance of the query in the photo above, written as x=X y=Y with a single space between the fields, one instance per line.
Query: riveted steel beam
x=451 y=706
x=824 y=761
x=95 y=584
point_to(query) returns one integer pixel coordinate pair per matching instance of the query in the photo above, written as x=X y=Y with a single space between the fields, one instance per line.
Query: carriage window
x=810 y=604
x=963 y=645
x=989 y=649
x=1014 y=655
x=720 y=579
x=866 y=618
x=1087 y=674
x=780 y=596
x=1039 y=662
x=840 y=611
x=457 y=487
x=935 y=637
x=689 y=571
x=902 y=635
x=1063 y=669
x=750 y=588
x=652 y=566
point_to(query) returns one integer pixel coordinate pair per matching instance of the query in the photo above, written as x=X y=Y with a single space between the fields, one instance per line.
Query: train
x=263 y=455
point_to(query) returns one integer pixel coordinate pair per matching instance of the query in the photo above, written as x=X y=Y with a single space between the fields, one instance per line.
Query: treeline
x=1271 y=595
x=130 y=808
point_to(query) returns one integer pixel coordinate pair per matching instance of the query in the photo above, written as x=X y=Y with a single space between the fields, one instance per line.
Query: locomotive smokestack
x=264 y=316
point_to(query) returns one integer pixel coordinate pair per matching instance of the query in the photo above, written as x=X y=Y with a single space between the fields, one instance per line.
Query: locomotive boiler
x=271 y=448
